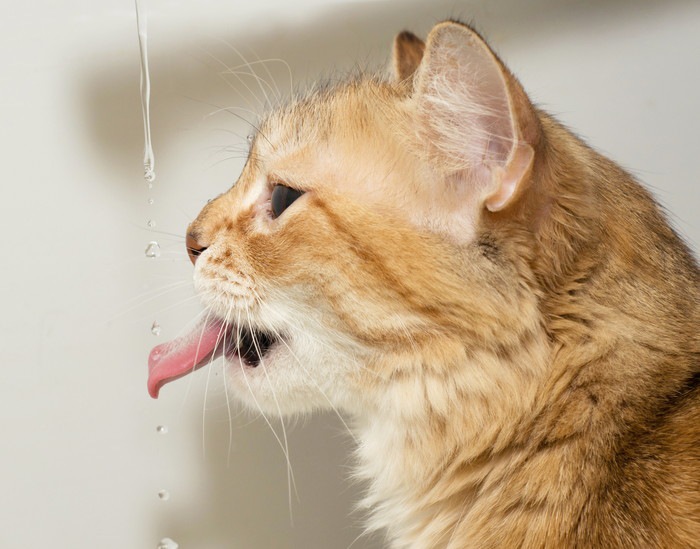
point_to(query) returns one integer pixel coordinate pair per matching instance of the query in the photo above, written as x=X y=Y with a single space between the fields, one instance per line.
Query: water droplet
x=162 y=429
x=164 y=495
x=151 y=223
x=149 y=175
x=155 y=328
x=167 y=543
x=250 y=138
x=153 y=249
x=151 y=201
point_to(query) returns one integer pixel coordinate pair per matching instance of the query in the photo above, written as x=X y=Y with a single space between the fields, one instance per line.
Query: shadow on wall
x=245 y=497
x=187 y=86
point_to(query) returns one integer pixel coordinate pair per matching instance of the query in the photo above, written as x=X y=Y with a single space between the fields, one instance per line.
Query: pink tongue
x=176 y=358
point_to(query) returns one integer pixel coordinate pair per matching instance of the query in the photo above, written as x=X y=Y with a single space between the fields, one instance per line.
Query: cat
x=504 y=314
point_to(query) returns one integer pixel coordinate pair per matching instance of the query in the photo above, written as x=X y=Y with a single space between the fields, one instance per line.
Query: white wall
x=81 y=460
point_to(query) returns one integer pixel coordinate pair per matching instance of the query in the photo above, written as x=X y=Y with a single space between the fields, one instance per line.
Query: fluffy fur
x=504 y=313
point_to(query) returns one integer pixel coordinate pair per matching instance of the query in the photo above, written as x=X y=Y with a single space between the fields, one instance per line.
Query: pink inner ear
x=465 y=98
x=464 y=105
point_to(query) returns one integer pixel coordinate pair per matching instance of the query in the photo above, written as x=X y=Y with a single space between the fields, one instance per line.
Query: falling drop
x=155 y=328
x=151 y=201
x=162 y=429
x=153 y=249
x=164 y=495
x=167 y=543
x=249 y=138
x=151 y=223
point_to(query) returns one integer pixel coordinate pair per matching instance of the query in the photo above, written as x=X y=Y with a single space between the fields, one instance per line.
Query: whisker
x=290 y=474
x=237 y=75
x=153 y=230
x=228 y=400
x=174 y=235
x=174 y=286
x=227 y=159
x=248 y=65
x=229 y=111
x=252 y=394
x=267 y=70
x=222 y=332
x=309 y=376
x=264 y=63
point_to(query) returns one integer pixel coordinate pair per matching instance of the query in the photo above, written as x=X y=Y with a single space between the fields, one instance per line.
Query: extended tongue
x=176 y=358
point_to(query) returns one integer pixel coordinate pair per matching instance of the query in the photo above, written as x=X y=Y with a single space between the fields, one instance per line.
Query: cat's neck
x=437 y=434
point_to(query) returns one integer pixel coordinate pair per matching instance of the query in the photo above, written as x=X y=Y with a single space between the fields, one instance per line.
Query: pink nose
x=194 y=249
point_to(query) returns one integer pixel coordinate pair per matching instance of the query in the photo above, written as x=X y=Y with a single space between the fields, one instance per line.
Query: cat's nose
x=194 y=248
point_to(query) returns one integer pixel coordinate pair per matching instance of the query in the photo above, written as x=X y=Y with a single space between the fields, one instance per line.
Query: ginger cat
x=504 y=313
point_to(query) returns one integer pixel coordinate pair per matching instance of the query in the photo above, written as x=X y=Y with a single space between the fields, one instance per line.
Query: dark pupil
x=282 y=198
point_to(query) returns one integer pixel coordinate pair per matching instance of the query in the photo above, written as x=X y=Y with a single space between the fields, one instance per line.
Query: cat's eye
x=282 y=198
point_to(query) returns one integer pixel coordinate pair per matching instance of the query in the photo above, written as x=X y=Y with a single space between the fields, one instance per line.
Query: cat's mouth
x=250 y=346
x=207 y=342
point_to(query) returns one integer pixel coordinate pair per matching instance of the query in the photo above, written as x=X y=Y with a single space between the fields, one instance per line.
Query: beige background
x=81 y=462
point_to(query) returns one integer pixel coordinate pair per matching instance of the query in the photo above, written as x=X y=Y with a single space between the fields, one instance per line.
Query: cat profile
x=503 y=313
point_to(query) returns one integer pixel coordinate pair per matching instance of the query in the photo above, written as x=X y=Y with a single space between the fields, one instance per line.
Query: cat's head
x=370 y=236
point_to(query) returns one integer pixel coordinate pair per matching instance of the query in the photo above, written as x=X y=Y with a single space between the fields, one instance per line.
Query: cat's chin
x=271 y=387
x=284 y=382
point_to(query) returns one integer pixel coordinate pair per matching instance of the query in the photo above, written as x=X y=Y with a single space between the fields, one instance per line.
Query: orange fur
x=523 y=375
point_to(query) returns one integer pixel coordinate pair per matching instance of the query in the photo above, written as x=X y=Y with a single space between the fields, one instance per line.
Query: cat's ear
x=475 y=115
x=408 y=52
